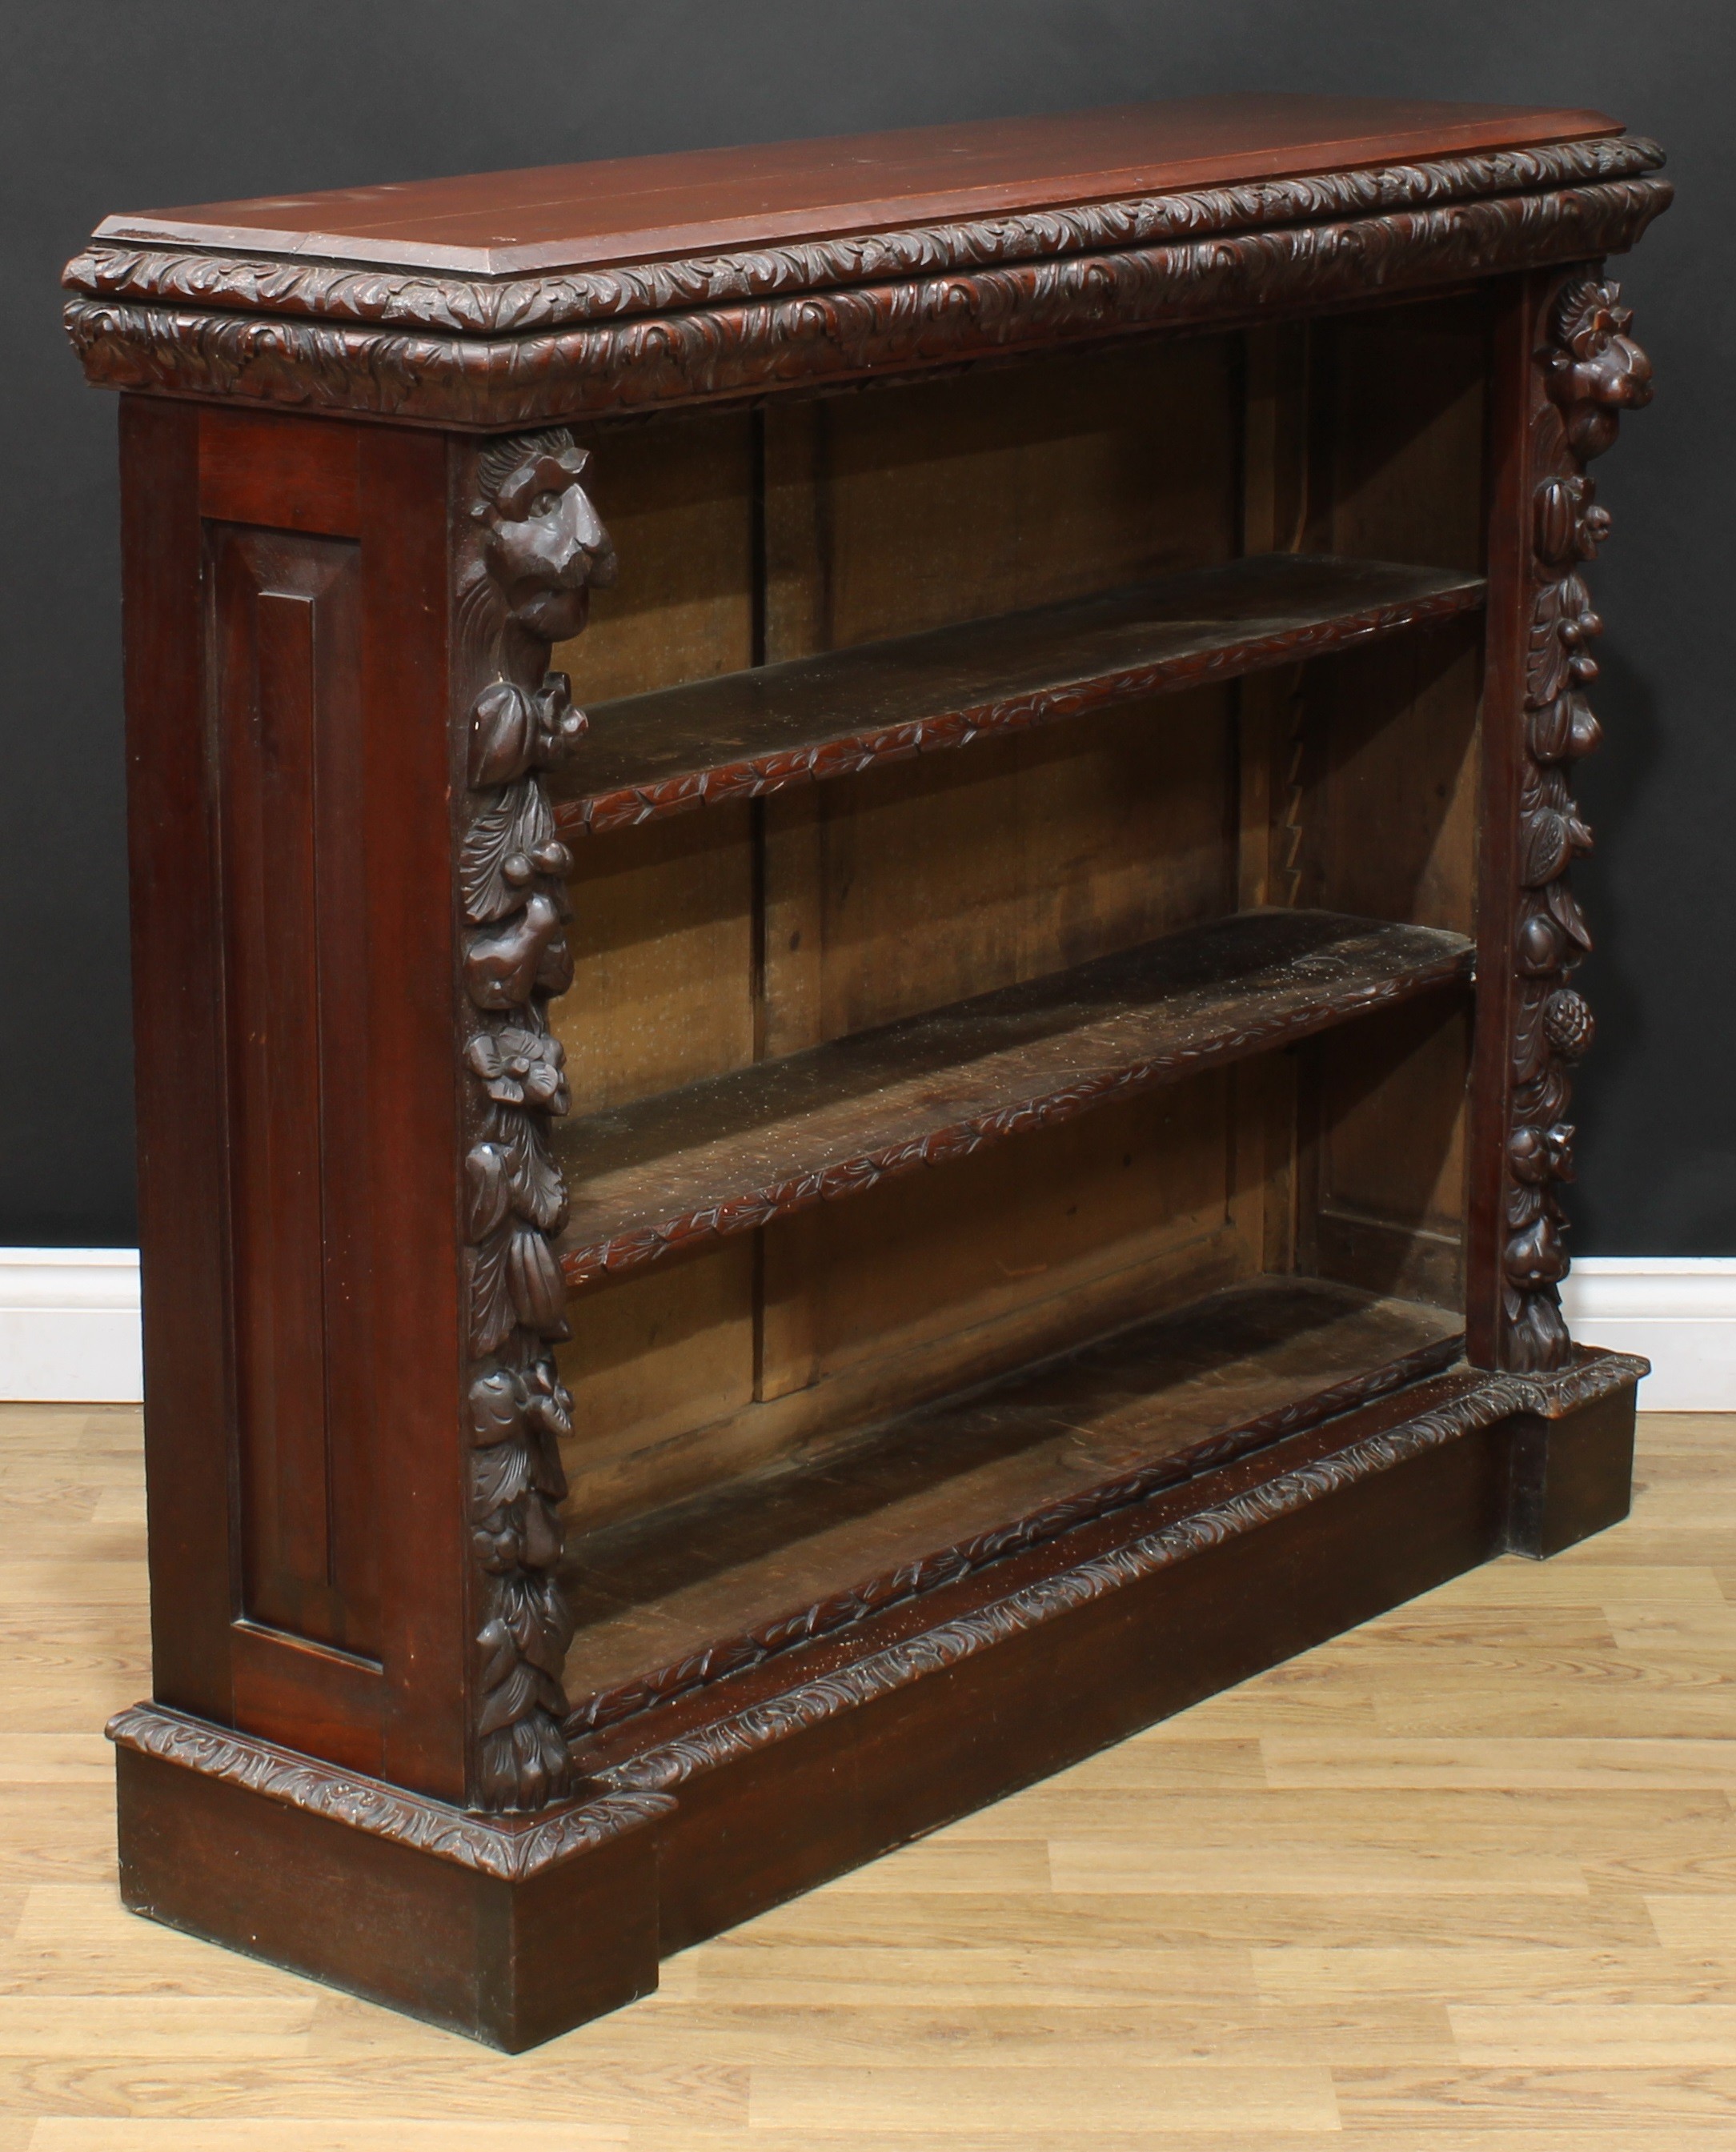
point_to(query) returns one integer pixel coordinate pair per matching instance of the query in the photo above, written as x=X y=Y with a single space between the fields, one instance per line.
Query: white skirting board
x=69 y=1324
x=1679 y=1310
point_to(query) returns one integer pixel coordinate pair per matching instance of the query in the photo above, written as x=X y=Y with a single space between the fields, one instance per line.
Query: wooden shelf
x=738 y=1150
x=748 y=733
x=707 y=1586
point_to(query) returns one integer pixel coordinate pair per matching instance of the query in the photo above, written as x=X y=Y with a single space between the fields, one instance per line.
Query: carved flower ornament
x=520 y=1068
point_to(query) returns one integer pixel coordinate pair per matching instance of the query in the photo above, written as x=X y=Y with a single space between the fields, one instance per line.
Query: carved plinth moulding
x=531 y=550
x=1592 y=371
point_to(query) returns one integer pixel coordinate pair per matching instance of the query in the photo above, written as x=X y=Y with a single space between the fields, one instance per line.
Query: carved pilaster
x=1592 y=370
x=532 y=548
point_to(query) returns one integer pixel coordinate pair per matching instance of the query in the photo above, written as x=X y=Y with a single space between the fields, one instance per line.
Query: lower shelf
x=695 y=1592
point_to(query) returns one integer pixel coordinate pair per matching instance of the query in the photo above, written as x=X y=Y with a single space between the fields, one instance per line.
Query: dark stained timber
x=736 y=1151
x=748 y=733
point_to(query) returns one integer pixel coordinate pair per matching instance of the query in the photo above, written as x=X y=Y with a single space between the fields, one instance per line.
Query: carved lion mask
x=546 y=545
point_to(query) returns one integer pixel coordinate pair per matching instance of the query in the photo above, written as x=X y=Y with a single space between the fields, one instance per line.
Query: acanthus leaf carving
x=536 y=549
x=420 y=299
x=1592 y=370
x=410 y=1820
x=1084 y=274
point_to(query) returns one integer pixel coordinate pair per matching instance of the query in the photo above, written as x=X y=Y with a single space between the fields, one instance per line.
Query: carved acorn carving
x=515 y=730
x=1569 y=1024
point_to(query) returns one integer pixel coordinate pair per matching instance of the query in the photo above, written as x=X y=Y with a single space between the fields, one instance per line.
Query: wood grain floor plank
x=1464 y=1881
x=875 y=2102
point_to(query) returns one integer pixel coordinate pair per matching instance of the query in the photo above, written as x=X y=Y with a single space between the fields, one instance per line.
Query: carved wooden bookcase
x=974 y=1152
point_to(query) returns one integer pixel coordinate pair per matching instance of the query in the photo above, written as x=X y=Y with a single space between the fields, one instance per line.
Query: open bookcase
x=968 y=1156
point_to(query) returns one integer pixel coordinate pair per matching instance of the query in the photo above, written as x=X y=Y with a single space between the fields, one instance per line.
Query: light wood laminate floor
x=1463 y=1881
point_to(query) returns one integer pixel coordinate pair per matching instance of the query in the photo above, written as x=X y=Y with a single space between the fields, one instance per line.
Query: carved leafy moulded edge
x=1554 y=1395
x=845 y=333
x=372 y=1806
x=263 y=282
x=1491 y=1399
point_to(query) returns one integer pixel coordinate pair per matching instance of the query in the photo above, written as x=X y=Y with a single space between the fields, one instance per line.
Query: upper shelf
x=736 y=1151
x=752 y=733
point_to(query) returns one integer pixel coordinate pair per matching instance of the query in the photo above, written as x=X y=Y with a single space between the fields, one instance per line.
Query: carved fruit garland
x=1592 y=371
x=533 y=548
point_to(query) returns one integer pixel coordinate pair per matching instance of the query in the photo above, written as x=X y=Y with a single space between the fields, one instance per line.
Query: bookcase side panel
x=297 y=1092
x=178 y=1061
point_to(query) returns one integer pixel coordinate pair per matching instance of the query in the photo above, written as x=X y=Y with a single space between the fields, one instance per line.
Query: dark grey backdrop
x=120 y=105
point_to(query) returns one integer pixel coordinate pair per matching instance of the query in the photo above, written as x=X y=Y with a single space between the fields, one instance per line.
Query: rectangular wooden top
x=639 y=208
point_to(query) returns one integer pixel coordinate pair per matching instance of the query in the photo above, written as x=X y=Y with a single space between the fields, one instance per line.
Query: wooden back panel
x=728 y=936
x=1385 y=743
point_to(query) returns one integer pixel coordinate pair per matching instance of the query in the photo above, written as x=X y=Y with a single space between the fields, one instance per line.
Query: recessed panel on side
x=288 y=742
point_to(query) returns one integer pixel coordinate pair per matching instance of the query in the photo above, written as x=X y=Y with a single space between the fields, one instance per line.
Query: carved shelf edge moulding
x=1591 y=371
x=843 y=333
x=531 y=548
x=109 y=268
x=642 y=1790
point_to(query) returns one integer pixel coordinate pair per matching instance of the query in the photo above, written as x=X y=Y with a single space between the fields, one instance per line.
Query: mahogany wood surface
x=733 y=1153
x=630 y=209
x=1262 y=1566
x=751 y=733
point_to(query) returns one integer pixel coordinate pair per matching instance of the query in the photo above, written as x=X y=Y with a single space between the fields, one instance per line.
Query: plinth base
x=705 y=1811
